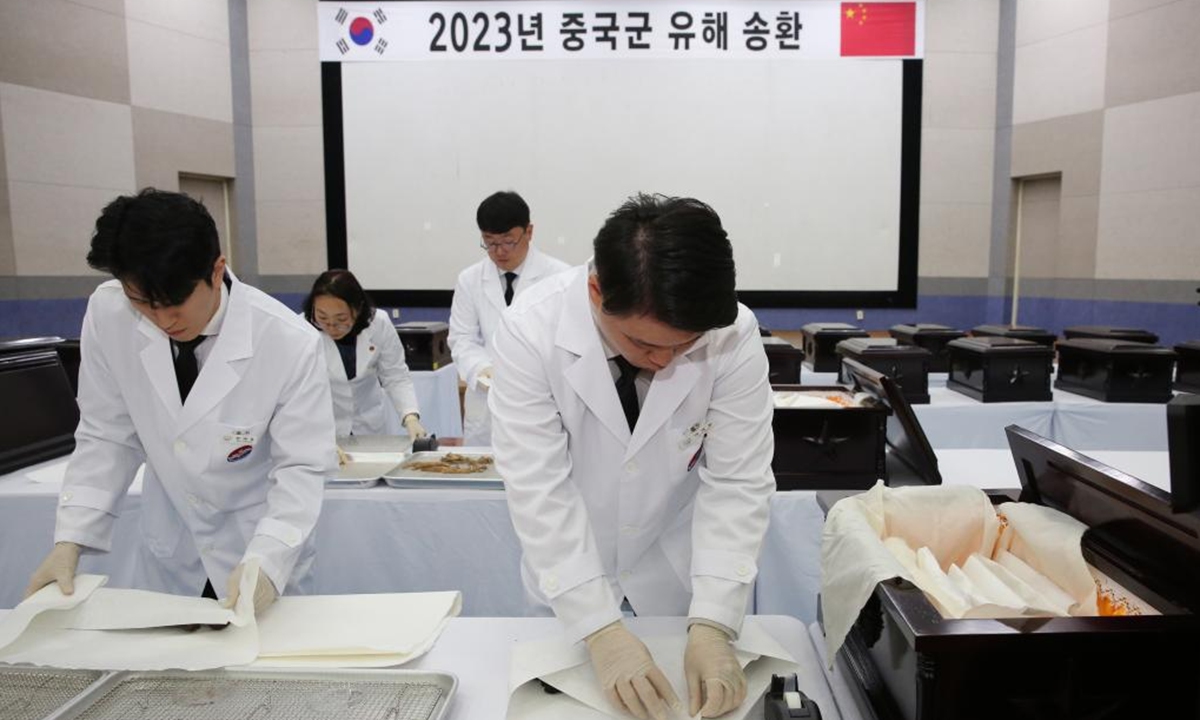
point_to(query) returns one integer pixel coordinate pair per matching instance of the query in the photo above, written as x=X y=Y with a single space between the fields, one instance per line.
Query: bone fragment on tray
x=453 y=464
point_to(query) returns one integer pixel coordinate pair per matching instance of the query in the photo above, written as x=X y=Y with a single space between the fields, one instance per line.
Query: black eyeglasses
x=506 y=244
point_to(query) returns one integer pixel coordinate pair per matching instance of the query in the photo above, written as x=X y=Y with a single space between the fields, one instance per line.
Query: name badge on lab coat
x=242 y=444
x=693 y=435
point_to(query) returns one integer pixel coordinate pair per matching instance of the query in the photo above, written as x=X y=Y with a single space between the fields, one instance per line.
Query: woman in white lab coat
x=364 y=356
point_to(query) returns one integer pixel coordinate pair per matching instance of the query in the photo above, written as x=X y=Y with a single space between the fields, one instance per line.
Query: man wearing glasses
x=482 y=293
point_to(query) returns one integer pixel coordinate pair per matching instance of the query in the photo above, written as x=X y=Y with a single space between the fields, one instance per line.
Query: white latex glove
x=716 y=683
x=413 y=425
x=483 y=378
x=59 y=566
x=626 y=671
x=264 y=590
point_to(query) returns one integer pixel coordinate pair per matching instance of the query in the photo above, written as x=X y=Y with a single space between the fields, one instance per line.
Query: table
x=991 y=469
x=954 y=420
x=385 y=539
x=476 y=651
x=437 y=396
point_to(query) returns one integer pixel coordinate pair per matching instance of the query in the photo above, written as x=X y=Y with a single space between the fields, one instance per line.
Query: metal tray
x=365 y=469
x=254 y=694
x=28 y=693
x=403 y=477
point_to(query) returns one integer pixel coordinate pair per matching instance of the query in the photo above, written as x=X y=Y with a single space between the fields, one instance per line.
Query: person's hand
x=716 y=683
x=626 y=671
x=483 y=378
x=264 y=591
x=413 y=425
x=343 y=458
x=59 y=566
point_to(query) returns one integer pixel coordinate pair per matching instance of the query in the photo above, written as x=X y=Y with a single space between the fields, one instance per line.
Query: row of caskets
x=1000 y=363
x=880 y=437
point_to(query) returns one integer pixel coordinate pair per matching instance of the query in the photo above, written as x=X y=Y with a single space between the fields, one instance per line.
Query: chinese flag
x=879 y=28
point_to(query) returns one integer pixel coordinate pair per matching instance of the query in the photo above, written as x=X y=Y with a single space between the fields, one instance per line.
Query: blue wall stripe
x=1173 y=322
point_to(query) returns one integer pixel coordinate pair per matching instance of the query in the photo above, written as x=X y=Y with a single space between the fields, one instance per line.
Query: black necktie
x=186 y=367
x=627 y=390
x=509 y=278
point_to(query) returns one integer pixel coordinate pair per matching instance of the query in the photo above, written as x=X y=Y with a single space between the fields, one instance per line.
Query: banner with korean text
x=777 y=29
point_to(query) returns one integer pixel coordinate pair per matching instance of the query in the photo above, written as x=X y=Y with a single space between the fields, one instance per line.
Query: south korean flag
x=361 y=33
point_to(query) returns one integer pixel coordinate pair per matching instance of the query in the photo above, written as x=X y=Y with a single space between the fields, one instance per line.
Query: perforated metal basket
x=269 y=695
x=37 y=693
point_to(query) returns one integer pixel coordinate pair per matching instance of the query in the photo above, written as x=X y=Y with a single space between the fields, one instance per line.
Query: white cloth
x=474 y=316
x=566 y=667
x=672 y=515
x=949 y=542
x=953 y=521
x=237 y=472
x=379 y=368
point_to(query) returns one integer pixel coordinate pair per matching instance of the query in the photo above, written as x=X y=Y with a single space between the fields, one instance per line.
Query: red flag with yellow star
x=879 y=28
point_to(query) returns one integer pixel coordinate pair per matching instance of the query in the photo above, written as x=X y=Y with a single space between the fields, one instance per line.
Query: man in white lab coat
x=632 y=426
x=482 y=293
x=221 y=390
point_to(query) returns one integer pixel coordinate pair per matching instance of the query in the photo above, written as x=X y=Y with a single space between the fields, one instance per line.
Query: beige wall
x=1108 y=95
x=289 y=169
x=130 y=93
x=958 y=137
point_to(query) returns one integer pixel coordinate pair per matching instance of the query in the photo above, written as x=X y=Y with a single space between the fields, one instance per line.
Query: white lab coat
x=236 y=473
x=379 y=366
x=474 y=316
x=672 y=518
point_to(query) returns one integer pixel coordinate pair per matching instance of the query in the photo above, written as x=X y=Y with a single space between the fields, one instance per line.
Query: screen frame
x=903 y=297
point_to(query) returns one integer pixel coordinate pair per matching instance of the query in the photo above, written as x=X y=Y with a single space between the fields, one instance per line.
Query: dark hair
x=501 y=212
x=163 y=243
x=668 y=258
x=343 y=285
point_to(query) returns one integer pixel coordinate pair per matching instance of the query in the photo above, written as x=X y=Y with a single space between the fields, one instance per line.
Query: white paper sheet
x=1050 y=542
x=48 y=599
x=396 y=624
x=566 y=666
x=50 y=639
x=123 y=609
x=109 y=629
x=1059 y=600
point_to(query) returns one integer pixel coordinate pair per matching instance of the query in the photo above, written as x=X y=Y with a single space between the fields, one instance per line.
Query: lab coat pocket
x=689 y=445
x=236 y=445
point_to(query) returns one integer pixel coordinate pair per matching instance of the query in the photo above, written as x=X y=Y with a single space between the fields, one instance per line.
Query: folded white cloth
x=948 y=541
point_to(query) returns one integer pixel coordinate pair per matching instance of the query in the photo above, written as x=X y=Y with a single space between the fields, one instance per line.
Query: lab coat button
x=625 y=574
x=180 y=446
x=629 y=530
x=192 y=500
x=551 y=583
x=67 y=496
x=631 y=467
x=743 y=570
